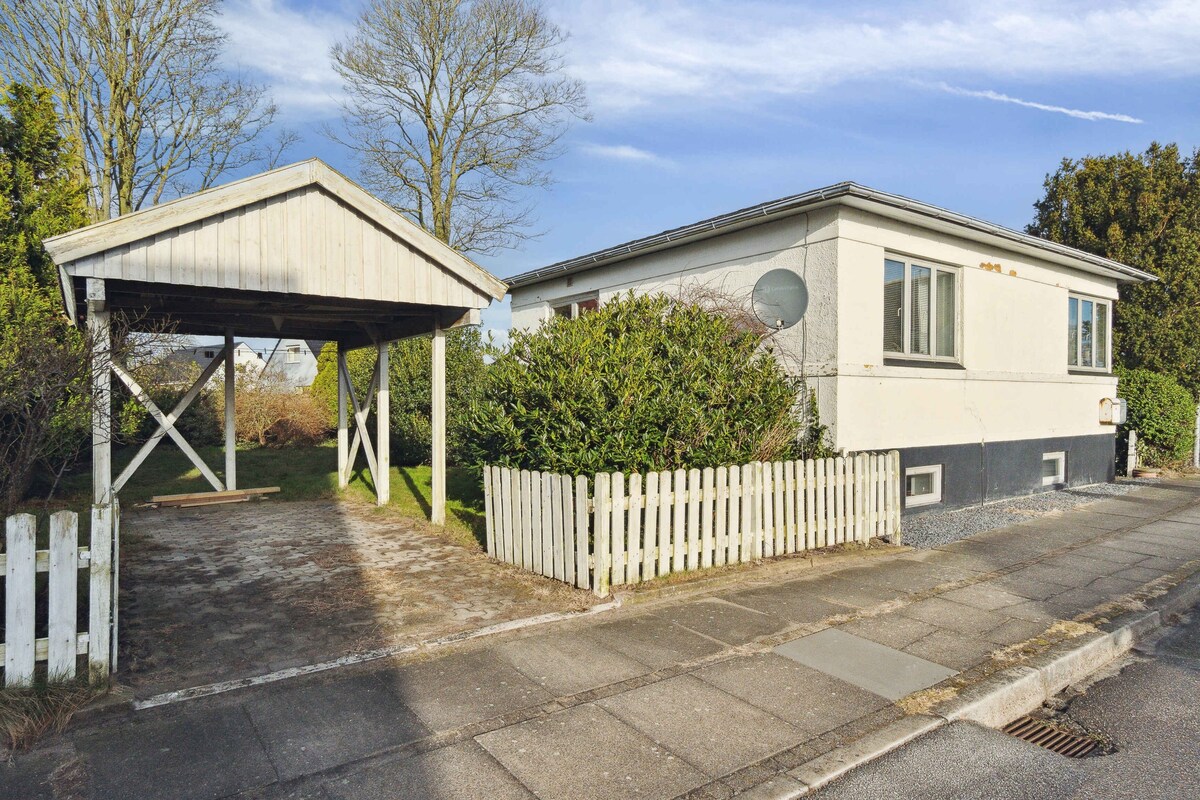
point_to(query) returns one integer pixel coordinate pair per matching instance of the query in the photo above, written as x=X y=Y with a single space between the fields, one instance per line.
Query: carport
x=299 y=252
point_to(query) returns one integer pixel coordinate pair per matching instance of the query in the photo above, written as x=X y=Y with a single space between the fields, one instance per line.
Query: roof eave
x=849 y=193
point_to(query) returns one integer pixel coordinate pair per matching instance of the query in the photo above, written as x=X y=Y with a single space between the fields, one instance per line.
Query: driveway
x=235 y=591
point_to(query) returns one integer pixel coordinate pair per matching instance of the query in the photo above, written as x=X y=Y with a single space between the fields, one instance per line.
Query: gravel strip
x=934 y=529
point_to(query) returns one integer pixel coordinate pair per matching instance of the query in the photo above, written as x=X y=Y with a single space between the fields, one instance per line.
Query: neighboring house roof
x=850 y=194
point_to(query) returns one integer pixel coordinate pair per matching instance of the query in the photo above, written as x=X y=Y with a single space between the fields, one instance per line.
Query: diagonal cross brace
x=184 y=403
x=167 y=424
x=361 y=433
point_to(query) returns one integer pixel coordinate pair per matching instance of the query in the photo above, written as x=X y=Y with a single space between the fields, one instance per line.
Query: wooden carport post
x=100 y=604
x=437 y=512
x=230 y=413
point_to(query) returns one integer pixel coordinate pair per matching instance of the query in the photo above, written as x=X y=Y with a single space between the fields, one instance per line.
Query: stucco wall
x=1014 y=383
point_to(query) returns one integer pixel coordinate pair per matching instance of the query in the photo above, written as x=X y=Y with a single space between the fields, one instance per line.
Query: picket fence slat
x=19 y=566
x=636 y=527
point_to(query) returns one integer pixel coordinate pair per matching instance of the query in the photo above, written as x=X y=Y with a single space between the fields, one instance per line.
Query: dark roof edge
x=765 y=211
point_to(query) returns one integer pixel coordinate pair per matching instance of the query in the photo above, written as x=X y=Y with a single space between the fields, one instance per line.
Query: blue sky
x=704 y=107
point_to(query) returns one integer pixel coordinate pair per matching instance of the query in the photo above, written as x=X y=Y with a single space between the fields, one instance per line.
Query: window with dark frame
x=574 y=308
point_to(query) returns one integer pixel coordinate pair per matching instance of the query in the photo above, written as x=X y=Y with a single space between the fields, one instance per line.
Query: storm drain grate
x=1036 y=731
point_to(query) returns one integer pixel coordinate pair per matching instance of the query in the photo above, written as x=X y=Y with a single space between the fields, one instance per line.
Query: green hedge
x=642 y=383
x=1162 y=412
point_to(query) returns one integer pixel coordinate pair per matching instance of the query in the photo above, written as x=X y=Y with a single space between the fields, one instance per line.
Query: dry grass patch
x=26 y=715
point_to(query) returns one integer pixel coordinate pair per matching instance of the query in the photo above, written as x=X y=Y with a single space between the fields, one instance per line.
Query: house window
x=572 y=309
x=210 y=353
x=293 y=354
x=1089 y=322
x=1054 y=468
x=920 y=310
x=922 y=485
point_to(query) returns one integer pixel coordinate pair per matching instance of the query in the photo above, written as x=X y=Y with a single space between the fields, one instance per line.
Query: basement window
x=922 y=485
x=1054 y=468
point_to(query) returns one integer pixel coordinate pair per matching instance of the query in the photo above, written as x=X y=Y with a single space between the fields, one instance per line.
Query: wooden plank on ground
x=169 y=499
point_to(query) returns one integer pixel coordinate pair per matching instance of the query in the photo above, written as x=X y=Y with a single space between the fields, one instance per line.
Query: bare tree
x=139 y=86
x=453 y=107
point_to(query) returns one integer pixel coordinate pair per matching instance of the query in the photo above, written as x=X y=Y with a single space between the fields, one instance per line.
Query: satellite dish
x=780 y=299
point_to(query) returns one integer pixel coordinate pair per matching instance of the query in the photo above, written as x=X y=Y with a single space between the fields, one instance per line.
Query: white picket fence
x=627 y=529
x=20 y=564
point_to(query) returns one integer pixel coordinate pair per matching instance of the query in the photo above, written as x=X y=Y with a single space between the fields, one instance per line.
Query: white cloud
x=623 y=152
x=988 y=94
x=638 y=54
x=287 y=47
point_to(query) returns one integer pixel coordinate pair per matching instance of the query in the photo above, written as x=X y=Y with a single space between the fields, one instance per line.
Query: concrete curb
x=996 y=701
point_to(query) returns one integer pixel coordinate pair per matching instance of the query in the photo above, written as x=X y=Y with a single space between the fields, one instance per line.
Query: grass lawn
x=301 y=473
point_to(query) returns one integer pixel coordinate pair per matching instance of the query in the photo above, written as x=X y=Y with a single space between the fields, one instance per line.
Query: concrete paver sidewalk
x=684 y=696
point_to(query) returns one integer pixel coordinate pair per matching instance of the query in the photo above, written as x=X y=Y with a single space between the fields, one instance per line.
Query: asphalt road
x=1150 y=710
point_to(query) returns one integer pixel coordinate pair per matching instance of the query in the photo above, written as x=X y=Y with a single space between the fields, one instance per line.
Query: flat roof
x=845 y=193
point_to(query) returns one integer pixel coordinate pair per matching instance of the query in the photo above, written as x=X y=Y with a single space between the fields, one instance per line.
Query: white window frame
x=906 y=306
x=924 y=499
x=292 y=354
x=1061 y=475
x=1095 y=301
x=572 y=301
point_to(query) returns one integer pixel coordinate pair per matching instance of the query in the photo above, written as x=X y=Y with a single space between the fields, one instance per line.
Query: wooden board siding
x=305 y=242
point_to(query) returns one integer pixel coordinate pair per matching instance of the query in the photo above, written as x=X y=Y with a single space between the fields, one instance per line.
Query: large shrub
x=1162 y=412
x=642 y=383
x=410 y=383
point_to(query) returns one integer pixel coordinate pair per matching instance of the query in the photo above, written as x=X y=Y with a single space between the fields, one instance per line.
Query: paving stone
x=808 y=699
x=567 y=663
x=711 y=729
x=722 y=620
x=952 y=650
x=987 y=596
x=464 y=770
x=464 y=687
x=585 y=753
x=791 y=601
x=314 y=726
x=883 y=670
x=850 y=593
x=948 y=615
x=1014 y=631
x=893 y=630
x=653 y=641
x=216 y=754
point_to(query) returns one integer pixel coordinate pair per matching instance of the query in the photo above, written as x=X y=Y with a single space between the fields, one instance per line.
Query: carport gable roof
x=300 y=252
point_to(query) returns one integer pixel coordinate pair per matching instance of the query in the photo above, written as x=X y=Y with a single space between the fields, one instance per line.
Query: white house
x=967 y=346
x=243 y=355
